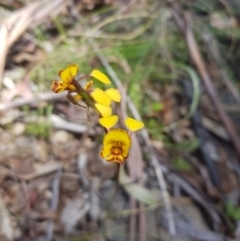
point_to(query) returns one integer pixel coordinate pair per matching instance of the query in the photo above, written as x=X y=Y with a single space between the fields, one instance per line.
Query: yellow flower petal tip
x=72 y=69
x=77 y=97
x=108 y=122
x=101 y=97
x=133 y=125
x=88 y=85
x=69 y=73
x=116 y=145
x=100 y=76
x=104 y=110
x=114 y=94
x=57 y=86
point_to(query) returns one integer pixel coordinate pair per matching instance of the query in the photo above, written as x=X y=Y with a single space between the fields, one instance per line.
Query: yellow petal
x=72 y=69
x=108 y=122
x=117 y=136
x=114 y=94
x=100 y=97
x=57 y=86
x=64 y=75
x=104 y=110
x=69 y=73
x=115 y=158
x=77 y=97
x=106 y=151
x=88 y=85
x=100 y=76
x=71 y=87
x=133 y=125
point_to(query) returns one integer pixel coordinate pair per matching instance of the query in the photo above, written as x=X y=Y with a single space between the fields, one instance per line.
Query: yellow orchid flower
x=96 y=98
x=116 y=145
x=67 y=76
x=117 y=142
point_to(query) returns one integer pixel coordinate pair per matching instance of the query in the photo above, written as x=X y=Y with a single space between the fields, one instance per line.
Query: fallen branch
x=49 y=96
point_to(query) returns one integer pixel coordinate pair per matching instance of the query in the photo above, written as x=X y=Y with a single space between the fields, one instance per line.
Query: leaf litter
x=181 y=178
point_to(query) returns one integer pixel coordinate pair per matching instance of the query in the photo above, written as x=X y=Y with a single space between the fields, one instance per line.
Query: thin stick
x=54 y=203
x=48 y=96
x=3 y=50
x=27 y=209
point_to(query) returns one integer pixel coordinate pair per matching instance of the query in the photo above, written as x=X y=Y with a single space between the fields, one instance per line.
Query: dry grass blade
x=54 y=203
x=23 y=21
x=11 y=29
x=3 y=50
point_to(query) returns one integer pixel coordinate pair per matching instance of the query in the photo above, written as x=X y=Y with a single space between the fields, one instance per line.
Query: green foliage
x=40 y=130
x=59 y=26
x=185 y=146
x=232 y=211
x=39 y=127
x=181 y=164
x=154 y=128
x=137 y=52
x=157 y=106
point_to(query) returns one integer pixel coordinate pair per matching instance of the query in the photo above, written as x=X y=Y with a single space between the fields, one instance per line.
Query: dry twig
x=54 y=203
x=48 y=96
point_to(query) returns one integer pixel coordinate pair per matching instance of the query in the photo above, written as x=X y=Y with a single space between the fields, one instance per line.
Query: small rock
x=18 y=129
x=60 y=137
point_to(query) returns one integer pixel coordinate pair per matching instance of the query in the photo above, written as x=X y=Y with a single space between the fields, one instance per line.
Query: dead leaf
x=137 y=191
x=74 y=211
